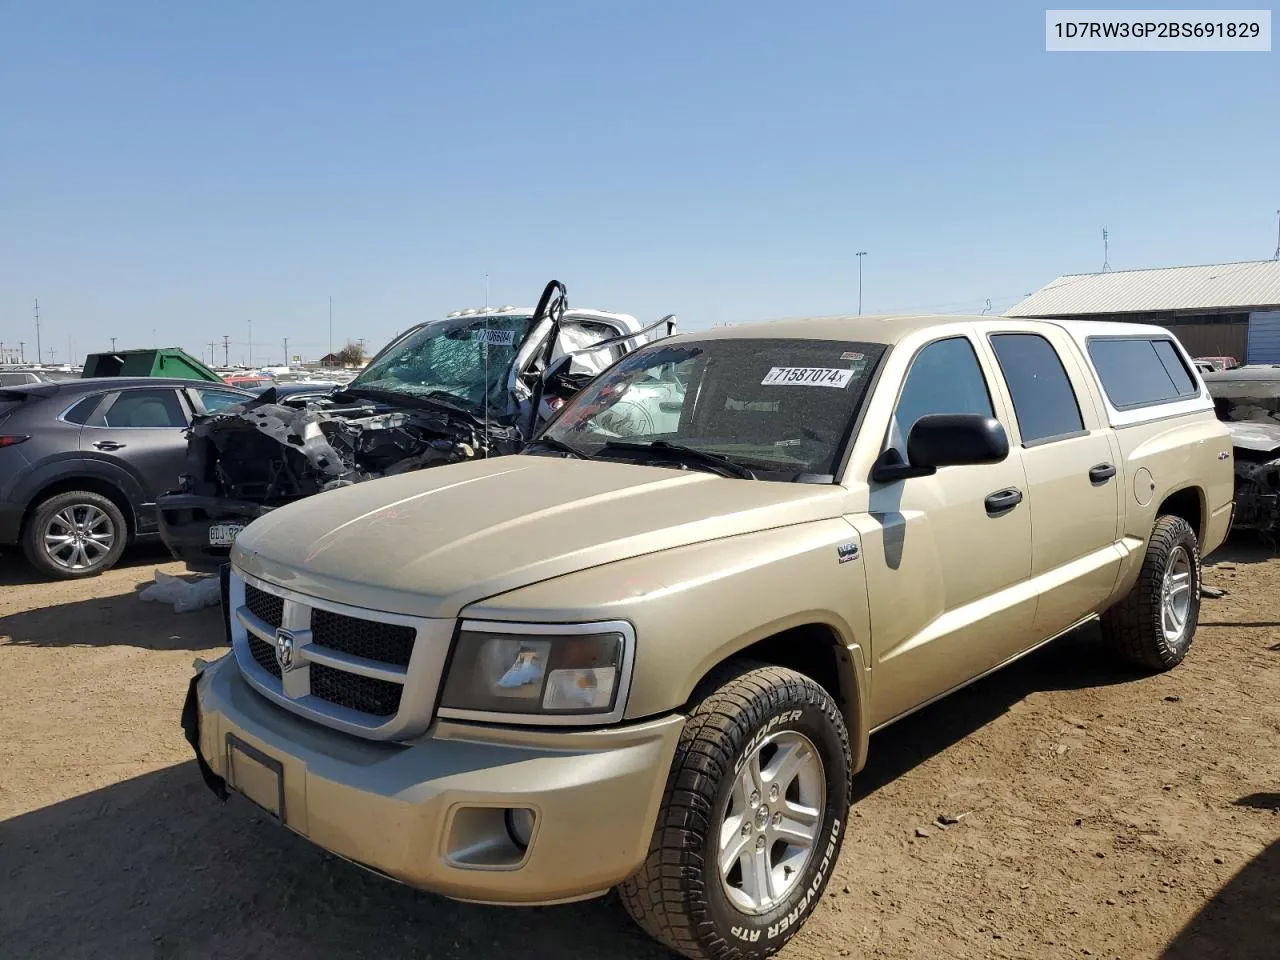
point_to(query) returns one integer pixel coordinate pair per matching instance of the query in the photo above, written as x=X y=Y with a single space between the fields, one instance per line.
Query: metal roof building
x=1224 y=309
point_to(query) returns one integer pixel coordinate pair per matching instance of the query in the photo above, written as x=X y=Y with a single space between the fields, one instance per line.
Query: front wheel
x=752 y=819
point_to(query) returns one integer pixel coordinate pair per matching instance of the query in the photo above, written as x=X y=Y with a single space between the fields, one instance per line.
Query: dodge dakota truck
x=649 y=651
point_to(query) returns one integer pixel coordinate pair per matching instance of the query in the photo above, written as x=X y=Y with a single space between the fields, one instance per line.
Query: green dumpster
x=162 y=362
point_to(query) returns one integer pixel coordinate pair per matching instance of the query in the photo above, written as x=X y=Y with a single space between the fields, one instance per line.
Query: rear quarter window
x=1141 y=371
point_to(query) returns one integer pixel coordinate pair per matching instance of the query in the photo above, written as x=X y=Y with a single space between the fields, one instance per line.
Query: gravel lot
x=1099 y=813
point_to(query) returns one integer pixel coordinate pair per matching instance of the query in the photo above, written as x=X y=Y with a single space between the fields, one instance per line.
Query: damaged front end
x=474 y=384
x=244 y=461
x=1257 y=463
x=1247 y=401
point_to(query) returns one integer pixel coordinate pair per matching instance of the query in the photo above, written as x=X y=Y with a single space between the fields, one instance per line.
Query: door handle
x=1002 y=501
x=108 y=445
x=1101 y=473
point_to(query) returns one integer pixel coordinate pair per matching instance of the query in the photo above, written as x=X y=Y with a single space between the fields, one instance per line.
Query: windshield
x=467 y=358
x=780 y=407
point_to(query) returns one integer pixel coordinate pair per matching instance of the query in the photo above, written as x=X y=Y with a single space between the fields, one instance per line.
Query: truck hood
x=432 y=542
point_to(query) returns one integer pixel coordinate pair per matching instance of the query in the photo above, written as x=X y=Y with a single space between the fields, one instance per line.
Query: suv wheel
x=1153 y=626
x=752 y=819
x=74 y=534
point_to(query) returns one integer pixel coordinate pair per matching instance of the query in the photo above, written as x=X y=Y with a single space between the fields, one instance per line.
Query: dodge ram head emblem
x=284 y=650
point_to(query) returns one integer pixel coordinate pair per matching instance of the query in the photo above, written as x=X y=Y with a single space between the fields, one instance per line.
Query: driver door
x=944 y=558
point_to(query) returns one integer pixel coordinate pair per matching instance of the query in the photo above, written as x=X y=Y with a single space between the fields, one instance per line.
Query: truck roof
x=890 y=328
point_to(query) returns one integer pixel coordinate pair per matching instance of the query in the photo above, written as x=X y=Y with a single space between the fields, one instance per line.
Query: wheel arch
x=90 y=483
x=1189 y=503
x=819 y=651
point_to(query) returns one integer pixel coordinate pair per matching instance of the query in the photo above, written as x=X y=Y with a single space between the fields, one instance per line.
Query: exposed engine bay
x=1247 y=400
x=477 y=383
x=271 y=453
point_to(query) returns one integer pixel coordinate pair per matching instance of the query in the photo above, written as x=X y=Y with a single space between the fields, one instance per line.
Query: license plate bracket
x=224 y=534
x=256 y=776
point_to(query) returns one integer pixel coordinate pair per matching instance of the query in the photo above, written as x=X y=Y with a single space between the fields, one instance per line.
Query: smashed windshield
x=780 y=407
x=466 y=358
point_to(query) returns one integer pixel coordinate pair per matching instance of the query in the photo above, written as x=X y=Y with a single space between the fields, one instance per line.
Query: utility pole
x=113 y=344
x=38 y=353
x=361 y=341
x=1277 y=256
x=860 y=254
x=213 y=357
x=226 y=348
x=53 y=352
x=251 y=342
x=331 y=324
x=286 y=351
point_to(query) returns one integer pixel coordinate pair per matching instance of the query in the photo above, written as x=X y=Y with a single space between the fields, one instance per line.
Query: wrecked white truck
x=474 y=384
x=1247 y=399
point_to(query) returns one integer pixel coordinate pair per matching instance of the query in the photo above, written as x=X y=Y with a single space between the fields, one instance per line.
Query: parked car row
x=648 y=650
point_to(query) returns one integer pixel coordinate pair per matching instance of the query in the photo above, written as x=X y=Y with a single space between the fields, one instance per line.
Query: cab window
x=945 y=377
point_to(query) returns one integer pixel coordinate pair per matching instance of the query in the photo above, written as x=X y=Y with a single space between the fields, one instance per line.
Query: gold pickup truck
x=649 y=651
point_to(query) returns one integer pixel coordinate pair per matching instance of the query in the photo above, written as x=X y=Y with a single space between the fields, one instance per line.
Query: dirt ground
x=1100 y=813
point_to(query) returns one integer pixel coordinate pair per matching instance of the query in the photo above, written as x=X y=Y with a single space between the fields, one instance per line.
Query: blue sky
x=190 y=168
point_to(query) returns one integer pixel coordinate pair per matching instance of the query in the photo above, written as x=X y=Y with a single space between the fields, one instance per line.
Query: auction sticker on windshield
x=807 y=377
x=496 y=338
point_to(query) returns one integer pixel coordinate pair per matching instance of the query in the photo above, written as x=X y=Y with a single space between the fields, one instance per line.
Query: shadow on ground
x=157 y=867
x=1076 y=661
x=15 y=571
x=1242 y=921
x=120 y=620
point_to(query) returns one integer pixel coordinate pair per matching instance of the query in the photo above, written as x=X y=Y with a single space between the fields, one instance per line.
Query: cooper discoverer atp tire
x=752 y=819
x=1153 y=626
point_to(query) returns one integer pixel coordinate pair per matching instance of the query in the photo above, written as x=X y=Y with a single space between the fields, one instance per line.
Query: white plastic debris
x=183 y=595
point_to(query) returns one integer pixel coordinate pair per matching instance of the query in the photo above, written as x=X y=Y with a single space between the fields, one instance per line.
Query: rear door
x=142 y=432
x=1073 y=483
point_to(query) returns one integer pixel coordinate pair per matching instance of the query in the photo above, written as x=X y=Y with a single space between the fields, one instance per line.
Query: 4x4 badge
x=846 y=552
x=284 y=650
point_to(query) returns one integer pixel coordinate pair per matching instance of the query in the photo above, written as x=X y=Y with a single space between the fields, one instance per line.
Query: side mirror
x=944 y=440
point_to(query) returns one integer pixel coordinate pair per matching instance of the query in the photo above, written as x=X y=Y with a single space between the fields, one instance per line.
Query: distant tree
x=352 y=353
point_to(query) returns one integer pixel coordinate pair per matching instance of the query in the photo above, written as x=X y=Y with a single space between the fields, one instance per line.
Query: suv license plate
x=224 y=534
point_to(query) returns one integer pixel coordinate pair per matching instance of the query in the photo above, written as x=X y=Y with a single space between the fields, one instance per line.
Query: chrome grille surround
x=291 y=689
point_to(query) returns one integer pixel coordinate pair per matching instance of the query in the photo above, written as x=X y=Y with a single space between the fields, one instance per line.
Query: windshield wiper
x=552 y=443
x=678 y=451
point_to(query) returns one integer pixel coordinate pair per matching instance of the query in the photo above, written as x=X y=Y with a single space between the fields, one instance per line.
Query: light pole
x=860 y=254
x=113 y=344
x=1277 y=256
x=251 y=343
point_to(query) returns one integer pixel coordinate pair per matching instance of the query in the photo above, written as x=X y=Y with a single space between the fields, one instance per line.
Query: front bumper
x=431 y=814
x=185 y=520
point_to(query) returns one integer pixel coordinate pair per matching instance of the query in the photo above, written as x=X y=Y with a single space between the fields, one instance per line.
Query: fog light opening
x=520 y=826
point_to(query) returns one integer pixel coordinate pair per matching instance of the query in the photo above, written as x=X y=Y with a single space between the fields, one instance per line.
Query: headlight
x=549 y=671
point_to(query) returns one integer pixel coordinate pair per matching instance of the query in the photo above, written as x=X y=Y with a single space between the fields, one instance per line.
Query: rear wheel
x=74 y=534
x=752 y=819
x=1153 y=626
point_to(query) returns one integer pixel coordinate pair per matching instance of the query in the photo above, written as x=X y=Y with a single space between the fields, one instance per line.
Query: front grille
x=265 y=655
x=267 y=607
x=371 y=639
x=380 y=698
